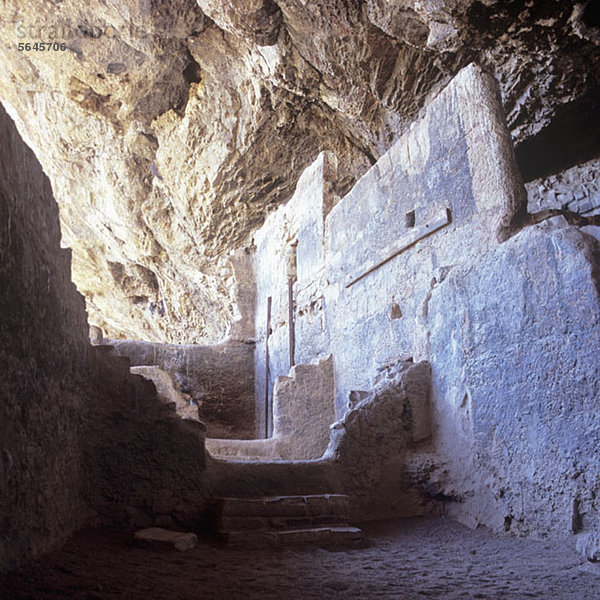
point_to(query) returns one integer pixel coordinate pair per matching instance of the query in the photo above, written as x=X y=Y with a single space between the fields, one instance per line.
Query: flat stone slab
x=589 y=567
x=320 y=536
x=243 y=449
x=238 y=523
x=163 y=538
x=286 y=506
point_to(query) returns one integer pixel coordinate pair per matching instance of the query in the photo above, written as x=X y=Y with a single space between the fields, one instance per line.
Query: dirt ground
x=404 y=560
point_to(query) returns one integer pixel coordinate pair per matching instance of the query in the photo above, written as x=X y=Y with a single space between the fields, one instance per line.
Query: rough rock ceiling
x=170 y=128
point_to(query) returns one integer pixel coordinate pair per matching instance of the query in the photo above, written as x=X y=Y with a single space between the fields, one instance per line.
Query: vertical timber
x=267 y=370
x=292 y=332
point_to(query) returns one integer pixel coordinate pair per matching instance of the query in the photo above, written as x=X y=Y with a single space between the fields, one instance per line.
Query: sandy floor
x=417 y=558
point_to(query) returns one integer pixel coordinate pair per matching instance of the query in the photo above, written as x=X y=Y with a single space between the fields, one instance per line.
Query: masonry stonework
x=423 y=260
x=81 y=440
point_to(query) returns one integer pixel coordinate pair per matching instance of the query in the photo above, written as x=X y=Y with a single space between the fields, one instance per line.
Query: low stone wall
x=219 y=378
x=373 y=444
x=304 y=410
x=370 y=455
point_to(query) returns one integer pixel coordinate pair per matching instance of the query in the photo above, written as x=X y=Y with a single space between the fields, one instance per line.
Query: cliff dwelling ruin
x=299 y=299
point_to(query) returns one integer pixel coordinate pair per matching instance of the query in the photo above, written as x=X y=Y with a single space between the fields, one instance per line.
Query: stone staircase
x=278 y=521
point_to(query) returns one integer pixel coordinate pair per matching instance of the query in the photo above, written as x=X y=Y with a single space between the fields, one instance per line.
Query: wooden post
x=291 y=321
x=267 y=370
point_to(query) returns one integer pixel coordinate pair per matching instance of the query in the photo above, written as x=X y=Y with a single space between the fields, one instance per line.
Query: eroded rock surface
x=170 y=129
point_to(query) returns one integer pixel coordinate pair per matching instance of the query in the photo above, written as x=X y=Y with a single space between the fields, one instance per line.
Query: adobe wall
x=514 y=343
x=445 y=192
x=219 y=378
x=451 y=188
x=81 y=441
x=423 y=260
x=43 y=345
x=290 y=245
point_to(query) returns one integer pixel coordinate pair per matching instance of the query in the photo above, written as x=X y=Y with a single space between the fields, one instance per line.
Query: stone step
x=254 y=523
x=248 y=450
x=314 y=505
x=322 y=536
x=320 y=519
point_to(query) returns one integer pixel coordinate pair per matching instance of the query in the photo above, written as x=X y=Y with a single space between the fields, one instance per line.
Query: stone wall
x=81 y=441
x=577 y=189
x=168 y=392
x=447 y=191
x=303 y=410
x=219 y=378
x=290 y=245
x=43 y=333
x=515 y=340
x=372 y=445
x=423 y=260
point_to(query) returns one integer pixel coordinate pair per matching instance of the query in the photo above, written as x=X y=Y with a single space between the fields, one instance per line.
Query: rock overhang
x=170 y=131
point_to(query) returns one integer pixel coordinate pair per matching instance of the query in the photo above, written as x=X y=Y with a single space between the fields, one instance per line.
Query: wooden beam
x=410 y=238
x=267 y=369
x=292 y=332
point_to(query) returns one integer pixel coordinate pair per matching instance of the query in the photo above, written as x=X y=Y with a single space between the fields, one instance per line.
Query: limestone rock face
x=258 y=21
x=170 y=129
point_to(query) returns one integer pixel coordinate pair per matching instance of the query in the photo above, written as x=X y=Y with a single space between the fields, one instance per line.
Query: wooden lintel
x=410 y=238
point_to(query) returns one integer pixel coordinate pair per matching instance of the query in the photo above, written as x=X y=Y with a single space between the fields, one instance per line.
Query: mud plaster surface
x=415 y=558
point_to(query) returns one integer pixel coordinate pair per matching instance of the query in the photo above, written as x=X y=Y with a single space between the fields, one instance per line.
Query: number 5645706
x=41 y=47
